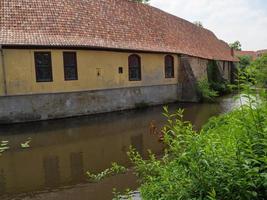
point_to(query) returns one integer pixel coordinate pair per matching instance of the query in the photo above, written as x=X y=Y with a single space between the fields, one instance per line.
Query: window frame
x=166 y=68
x=139 y=78
x=49 y=67
x=75 y=67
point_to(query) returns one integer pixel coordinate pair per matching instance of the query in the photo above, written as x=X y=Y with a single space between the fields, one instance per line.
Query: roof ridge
x=117 y=24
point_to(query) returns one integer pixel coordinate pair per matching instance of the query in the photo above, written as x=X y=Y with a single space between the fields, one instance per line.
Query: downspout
x=4 y=70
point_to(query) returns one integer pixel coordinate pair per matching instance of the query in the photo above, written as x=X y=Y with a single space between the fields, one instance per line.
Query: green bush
x=258 y=69
x=205 y=90
x=226 y=160
x=215 y=79
x=244 y=61
x=113 y=170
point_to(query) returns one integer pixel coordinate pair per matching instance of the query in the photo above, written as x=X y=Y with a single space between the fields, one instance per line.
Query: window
x=120 y=70
x=169 y=66
x=134 y=67
x=43 y=66
x=70 y=66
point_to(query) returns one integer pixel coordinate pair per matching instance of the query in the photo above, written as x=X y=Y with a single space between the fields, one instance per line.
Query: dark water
x=61 y=151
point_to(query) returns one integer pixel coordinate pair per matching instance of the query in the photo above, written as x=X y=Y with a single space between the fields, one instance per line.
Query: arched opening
x=169 y=66
x=134 y=62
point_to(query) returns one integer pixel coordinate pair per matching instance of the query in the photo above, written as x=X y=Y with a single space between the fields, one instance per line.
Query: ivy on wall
x=215 y=78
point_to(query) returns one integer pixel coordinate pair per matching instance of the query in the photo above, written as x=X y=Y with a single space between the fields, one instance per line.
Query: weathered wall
x=191 y=70
x=199 y=67
x=2 y=90
x=225 y=69
x=49 y=106
x=20 y=70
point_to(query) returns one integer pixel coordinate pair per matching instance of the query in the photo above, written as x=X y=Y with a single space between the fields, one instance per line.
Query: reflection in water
x=63 y=150
x=51 y=171
x=137 y=143
x=2 y=182
x=76 y=167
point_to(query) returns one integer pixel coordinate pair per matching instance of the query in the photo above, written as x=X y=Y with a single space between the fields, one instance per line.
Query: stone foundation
x=36 y=107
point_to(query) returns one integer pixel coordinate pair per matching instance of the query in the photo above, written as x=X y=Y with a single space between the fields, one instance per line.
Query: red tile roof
x=263 y=51
x=253 y=54
x=116 y=24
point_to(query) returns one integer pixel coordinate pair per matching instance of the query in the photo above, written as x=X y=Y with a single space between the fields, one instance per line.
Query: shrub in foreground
x=226 y=160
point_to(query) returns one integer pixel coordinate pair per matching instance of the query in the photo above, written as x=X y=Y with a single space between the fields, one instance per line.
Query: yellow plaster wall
x=21 y=78
x=1 y=77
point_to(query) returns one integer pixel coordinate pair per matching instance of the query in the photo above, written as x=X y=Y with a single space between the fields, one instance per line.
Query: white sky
x=230 y=20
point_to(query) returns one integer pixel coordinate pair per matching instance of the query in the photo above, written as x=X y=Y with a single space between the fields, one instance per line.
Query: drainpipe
x=4 y=70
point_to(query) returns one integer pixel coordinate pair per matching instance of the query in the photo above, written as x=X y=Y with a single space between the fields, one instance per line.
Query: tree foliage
x=258 y=70
x=199 y=24
x=215 y=78
x=205 y=90
x=244 y=61
x=236 y=46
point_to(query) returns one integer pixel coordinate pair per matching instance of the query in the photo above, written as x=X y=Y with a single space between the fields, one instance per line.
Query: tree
x=199 y=24
x=236 y=45
x=259 y=70
x=244 y=61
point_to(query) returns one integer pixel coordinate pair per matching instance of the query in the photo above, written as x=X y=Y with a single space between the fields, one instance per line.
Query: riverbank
x=63 y=150
x=225 y=160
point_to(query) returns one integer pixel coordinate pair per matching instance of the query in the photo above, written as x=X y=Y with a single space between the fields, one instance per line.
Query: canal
x=61 y=151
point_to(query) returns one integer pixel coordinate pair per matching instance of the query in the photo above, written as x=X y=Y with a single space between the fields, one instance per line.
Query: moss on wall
x=216 y=77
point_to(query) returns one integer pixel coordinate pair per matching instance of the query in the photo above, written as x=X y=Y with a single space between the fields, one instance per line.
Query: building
x=261 y=52
x=62 y=58
x=252 y=54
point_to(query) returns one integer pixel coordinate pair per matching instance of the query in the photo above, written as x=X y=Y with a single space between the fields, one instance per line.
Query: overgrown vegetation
x=258 y=70
x=236 y=45
x=126 y=195
x=227 y=159
x=205 y=90
x=216 y=82
x=214 y=85
x=199 y=24
x=254 y=70
x=114 y=169
x=244 y=61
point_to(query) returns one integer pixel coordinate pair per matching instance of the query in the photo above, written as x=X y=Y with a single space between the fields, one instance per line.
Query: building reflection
x=62 y=151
